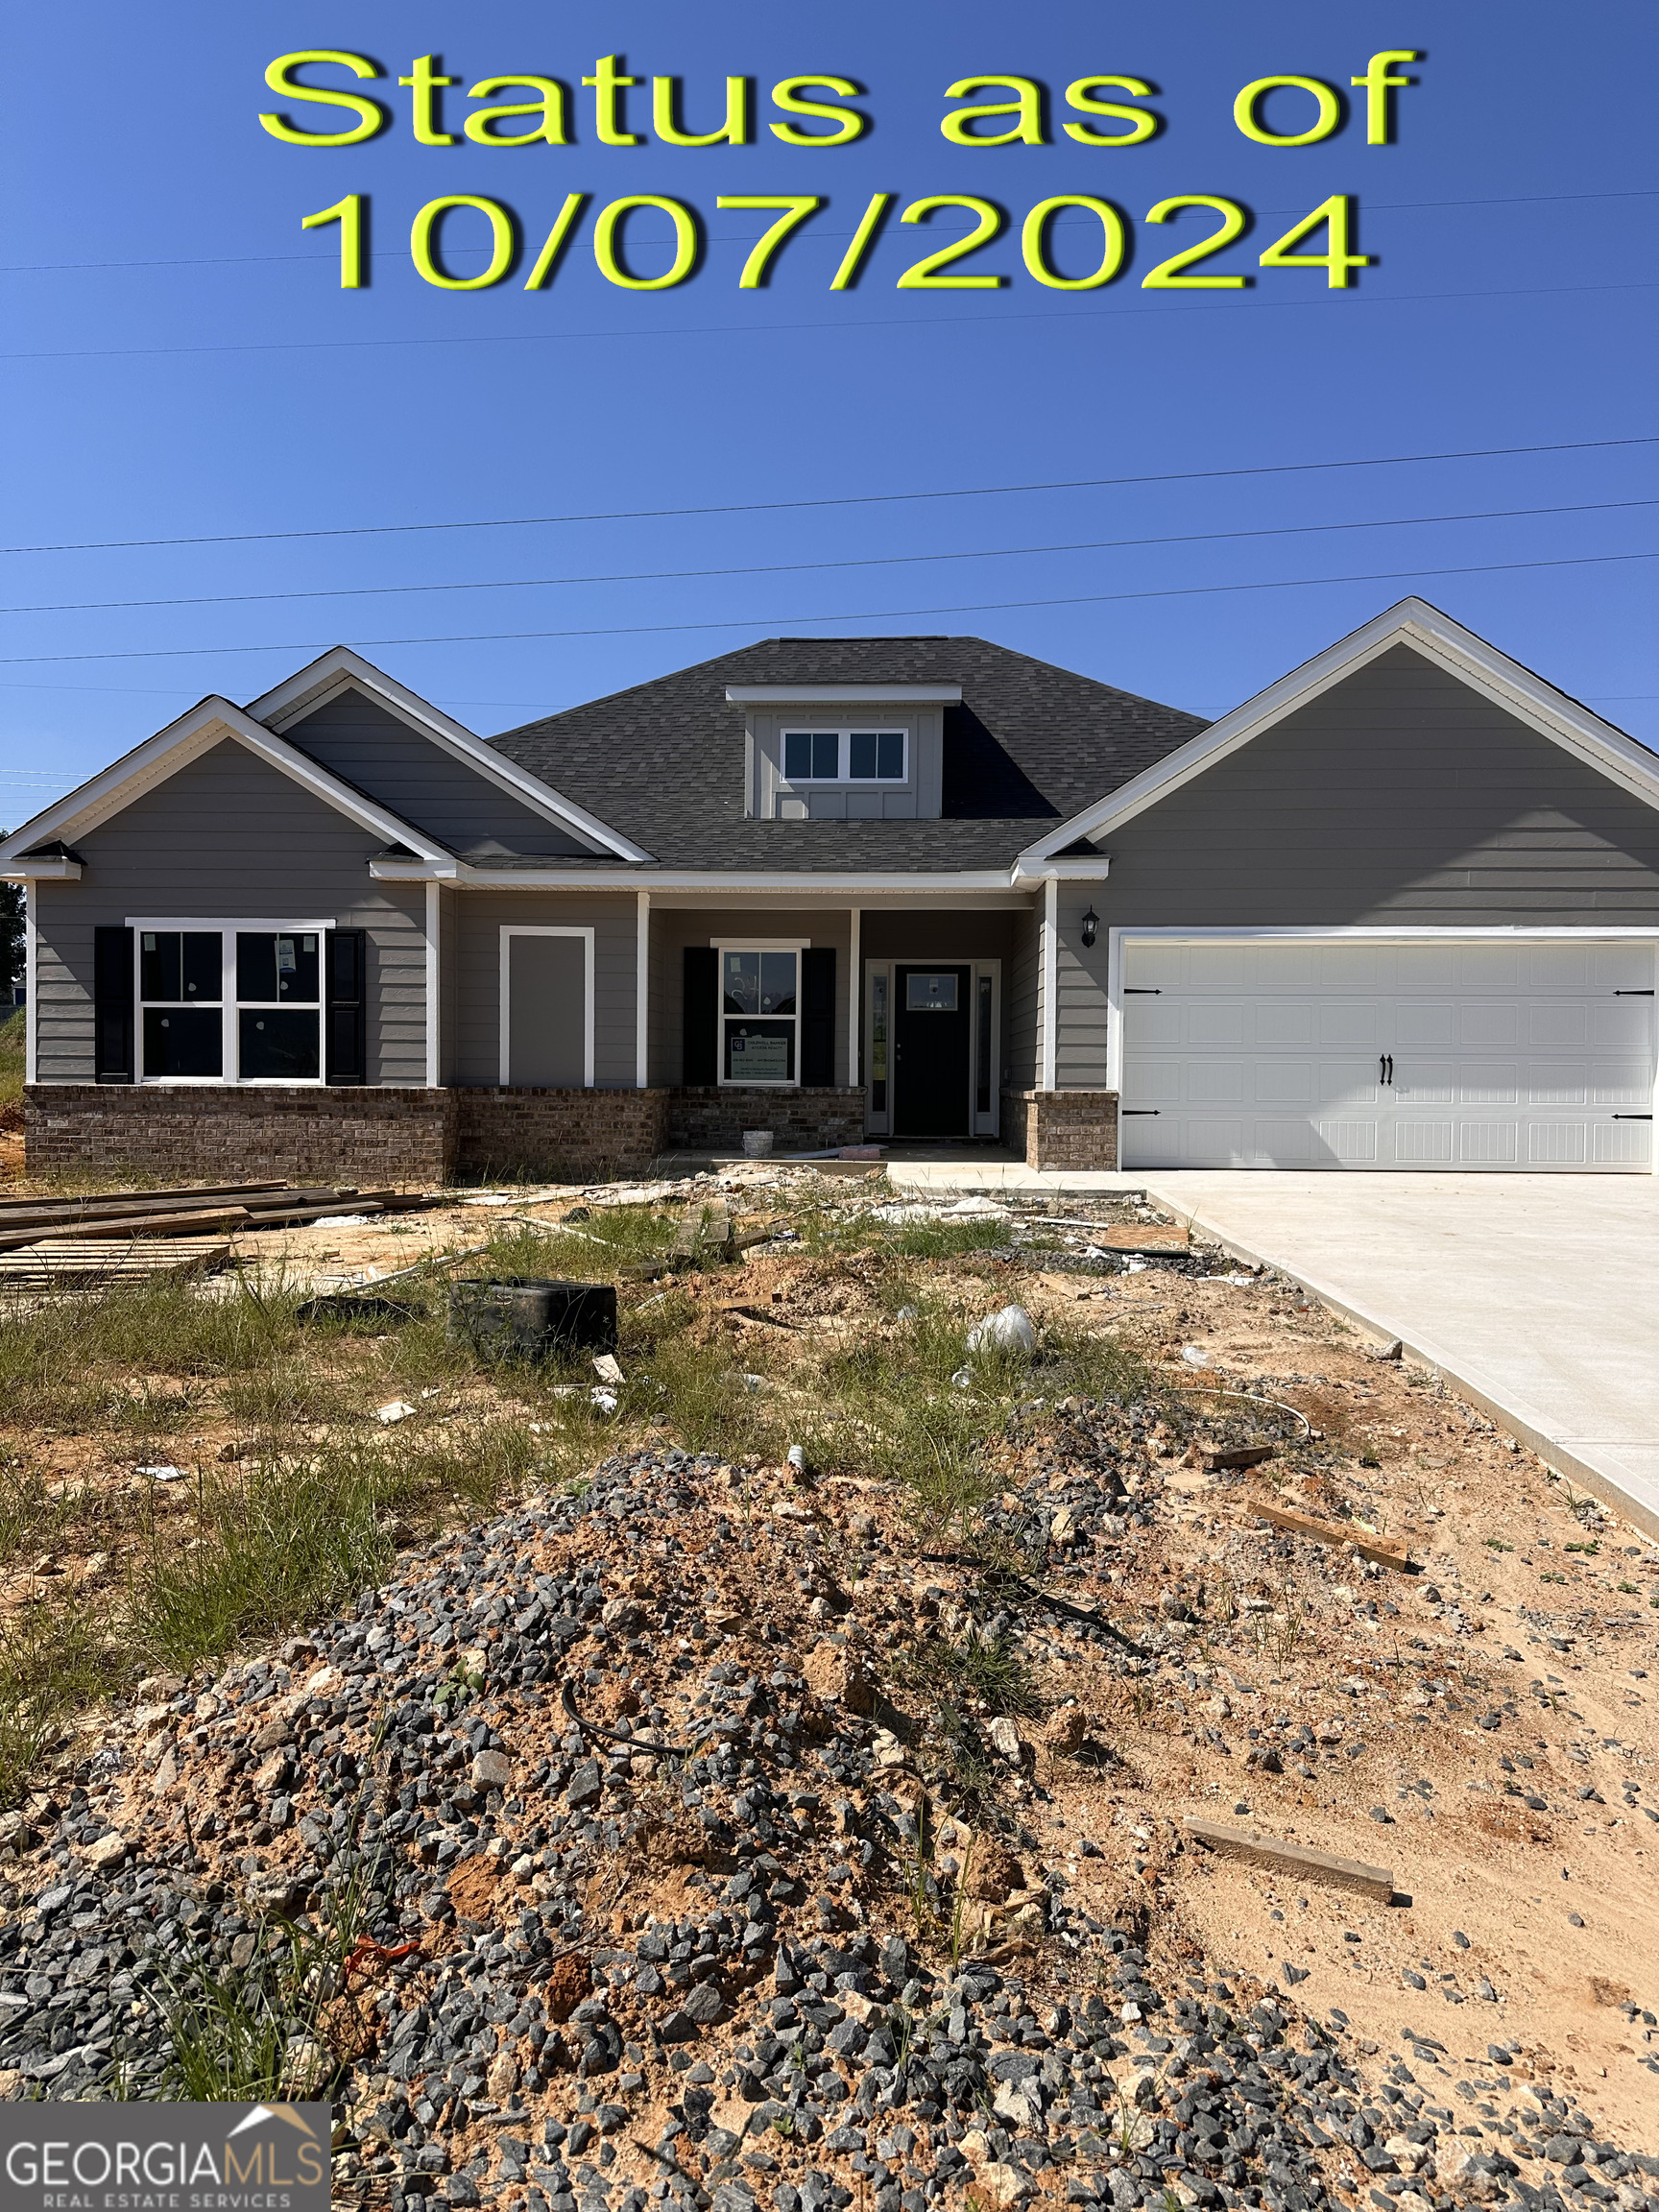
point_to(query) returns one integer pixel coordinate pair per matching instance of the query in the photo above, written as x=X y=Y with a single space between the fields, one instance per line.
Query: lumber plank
x=1292 y=1858
x=21 y=1214
x=1382 y=1549
x=130 y=1226
x=132 y=1199
x=1142 y=1237
x=296 y=1216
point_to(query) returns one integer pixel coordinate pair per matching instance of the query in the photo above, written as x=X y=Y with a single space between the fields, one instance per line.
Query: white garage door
x=1464 y=1055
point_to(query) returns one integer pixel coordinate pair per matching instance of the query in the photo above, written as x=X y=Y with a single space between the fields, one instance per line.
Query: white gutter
x=795 y=883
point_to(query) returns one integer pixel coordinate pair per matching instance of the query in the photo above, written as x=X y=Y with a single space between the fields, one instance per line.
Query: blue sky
x=181 y=363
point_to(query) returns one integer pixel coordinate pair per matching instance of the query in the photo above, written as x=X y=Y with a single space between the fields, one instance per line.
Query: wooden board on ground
x=1294 y=1859
x=1142 y=1237
x=196 y=1223
x=1382 y=1549
x=79 y=1264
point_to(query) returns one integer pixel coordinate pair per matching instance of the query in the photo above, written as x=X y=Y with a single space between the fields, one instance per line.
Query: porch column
x=1051 y=973
x=642 y=993
x=434 y=990
x=854 y=991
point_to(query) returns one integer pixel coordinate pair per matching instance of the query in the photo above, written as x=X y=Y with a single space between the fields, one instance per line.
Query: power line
x=324 y=260
x=850 y=500
x=1356 y=297
x=797 y=568
x=866 y=614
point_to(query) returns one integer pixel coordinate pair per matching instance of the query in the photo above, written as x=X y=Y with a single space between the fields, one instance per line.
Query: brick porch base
x=1061 y=1128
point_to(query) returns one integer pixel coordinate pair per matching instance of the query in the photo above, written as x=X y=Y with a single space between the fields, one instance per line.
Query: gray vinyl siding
x=229 y=837
x=479 y=919
x=1400 y=796
x=919 y=798
x=1022 y=994
x=674 y=927
x=1080 y=993
x=379 y=755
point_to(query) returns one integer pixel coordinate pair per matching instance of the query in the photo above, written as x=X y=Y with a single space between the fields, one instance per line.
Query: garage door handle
x=1632 y=994
x=1384 y=1066
x=1632 y=1116
x=1153 y=1111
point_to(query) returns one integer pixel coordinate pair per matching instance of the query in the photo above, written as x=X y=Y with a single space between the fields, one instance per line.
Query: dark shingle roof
x=1029 y=745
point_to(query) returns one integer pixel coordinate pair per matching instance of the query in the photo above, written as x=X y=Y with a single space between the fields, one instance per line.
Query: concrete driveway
x=1538 y=1294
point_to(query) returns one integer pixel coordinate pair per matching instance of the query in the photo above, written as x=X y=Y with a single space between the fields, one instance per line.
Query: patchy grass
x=987 y=1673
x=12 y=1039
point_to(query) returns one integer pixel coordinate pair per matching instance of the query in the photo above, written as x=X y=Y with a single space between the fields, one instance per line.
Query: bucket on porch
x=757 y=1144
x=524 y=1317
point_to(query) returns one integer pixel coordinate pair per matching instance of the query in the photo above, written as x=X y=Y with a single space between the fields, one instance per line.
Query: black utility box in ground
x=521 y=1318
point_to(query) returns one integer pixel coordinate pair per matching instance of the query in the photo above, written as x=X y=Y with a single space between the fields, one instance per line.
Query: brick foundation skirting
x=1061 y=1128
x=376 y=1139
x=564 y=1136
x=713 y=1120
x=401 y=1138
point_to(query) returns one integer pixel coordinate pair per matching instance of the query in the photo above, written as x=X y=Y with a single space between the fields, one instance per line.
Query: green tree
x=10 y=936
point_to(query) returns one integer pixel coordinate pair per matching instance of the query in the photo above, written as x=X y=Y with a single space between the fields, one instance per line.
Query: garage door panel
x=1217 y=1082
x=1152 y=1022
x=1286 y=1083
x=1423 y=1144
x=1622 y=1143
x=1216 y=1021
x=1351 y=1141
x=1488 y=1025
x=1427 y=1083
x=1349 y=1022
x=1283 y=1021
x=1556 y=1145
x=1477 y=1056
x=1486 y=1083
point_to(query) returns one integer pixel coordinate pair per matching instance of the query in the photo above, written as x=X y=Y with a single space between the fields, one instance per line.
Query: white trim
x=1050 y=957
x=1071 y=868
x=544 y=929
x=793 y=885
x=339 y=668
x=433 y=982
x=222 y=922
x=1438 y=639
x=887 y=967
x=1118 y=937
x=854 y=1028
x=174 y=747
x=31 y=988
x=642 y=994
x=227 y=927
x=39 y=871
x=723 y=945
x=843 y=694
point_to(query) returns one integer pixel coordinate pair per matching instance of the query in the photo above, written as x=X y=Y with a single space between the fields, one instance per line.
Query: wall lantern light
x=1090 y=926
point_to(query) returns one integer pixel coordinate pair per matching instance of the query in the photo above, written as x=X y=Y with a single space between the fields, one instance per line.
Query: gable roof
x=1415 y=623
x=210 y=723
x=339 y=668
x=1028 y=743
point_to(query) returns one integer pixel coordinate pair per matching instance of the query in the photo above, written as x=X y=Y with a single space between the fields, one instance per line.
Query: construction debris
x=1292 y=1858
x=1365 y=1541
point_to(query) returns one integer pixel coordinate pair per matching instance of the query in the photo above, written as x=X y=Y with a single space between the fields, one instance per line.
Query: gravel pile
x=638 y=1864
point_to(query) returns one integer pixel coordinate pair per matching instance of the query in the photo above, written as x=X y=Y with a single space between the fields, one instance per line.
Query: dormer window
x=845 y=756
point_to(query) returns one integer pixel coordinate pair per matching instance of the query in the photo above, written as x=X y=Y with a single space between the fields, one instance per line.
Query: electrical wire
x=765 y=623
x=796 y=568
x=846 y=499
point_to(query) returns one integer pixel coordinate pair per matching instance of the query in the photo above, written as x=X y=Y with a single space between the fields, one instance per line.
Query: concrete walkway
x=1537 y=1296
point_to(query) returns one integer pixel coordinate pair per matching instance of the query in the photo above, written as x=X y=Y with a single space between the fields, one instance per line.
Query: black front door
x=931 y=1027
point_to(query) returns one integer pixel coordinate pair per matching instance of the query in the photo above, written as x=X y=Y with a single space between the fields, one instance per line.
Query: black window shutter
x=818 y=1015
x=113 y=1055
x=346 y=1010
x=700 y=1053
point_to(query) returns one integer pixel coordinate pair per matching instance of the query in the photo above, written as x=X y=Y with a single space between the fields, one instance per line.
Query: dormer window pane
x=875 y=756
x=812 y=756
